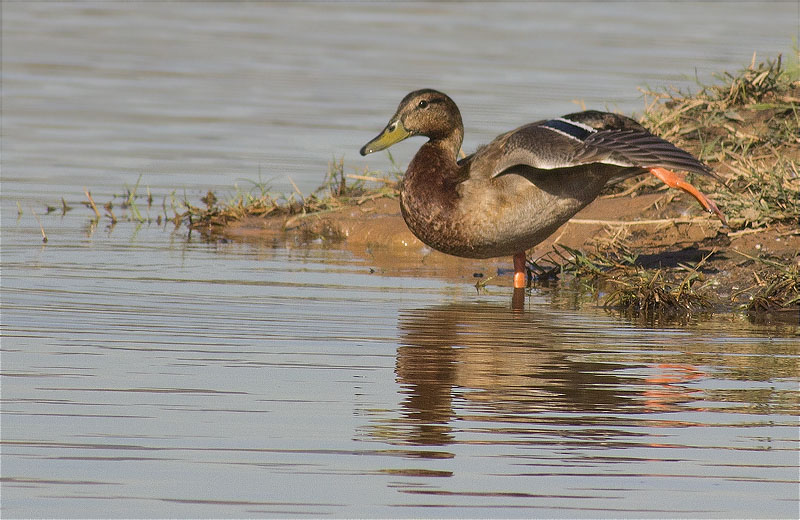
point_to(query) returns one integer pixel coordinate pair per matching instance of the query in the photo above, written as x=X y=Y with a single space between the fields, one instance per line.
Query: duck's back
x=518 y=189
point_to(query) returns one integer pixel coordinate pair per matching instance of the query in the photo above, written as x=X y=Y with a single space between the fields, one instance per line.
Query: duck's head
x=423 y=112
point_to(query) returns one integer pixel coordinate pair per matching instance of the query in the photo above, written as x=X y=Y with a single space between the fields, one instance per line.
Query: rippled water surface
x=149 y=373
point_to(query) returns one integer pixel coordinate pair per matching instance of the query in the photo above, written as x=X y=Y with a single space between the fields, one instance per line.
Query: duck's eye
x=423 y=104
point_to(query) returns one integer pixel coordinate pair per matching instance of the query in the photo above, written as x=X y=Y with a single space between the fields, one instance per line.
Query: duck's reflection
x=473 y=361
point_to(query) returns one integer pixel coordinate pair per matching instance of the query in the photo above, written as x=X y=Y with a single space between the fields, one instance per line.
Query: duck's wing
x=596 y=138
x=590 y=137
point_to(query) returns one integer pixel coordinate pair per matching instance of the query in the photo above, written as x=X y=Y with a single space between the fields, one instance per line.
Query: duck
x=515 y=191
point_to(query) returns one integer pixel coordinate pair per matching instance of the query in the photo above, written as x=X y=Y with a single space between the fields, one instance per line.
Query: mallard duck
x=515 y=191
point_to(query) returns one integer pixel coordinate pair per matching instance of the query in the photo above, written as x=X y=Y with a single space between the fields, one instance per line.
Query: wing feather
x=546 y=145
x=638 y=148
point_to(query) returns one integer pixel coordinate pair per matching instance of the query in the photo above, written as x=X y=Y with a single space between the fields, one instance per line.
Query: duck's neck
x=433 y=167
x=451 y=143
x=436 y=161
x=429 y=191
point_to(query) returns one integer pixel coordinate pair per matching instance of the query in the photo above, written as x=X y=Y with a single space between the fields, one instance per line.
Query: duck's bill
x=393 y=133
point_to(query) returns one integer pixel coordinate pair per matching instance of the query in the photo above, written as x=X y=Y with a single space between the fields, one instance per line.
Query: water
x=211 y=94
x=148 y=373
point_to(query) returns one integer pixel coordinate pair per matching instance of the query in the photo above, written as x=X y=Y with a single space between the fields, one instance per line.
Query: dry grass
x=781 y=292
x=613 y=275
x=334 y=193
x=747 y=127
x=650 y=292
x=775 y=286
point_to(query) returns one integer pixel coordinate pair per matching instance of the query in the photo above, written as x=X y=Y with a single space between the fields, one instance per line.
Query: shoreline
x=656 y=252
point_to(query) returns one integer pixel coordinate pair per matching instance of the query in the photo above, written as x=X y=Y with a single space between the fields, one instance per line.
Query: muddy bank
x=663 y=229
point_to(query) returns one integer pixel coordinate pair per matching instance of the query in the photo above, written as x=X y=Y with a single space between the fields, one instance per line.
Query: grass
x=337 y=191
x=747 y=127
x=125 y=207
x=614 y=276
x=778 y=293
x=645 y=292
x=777 y=286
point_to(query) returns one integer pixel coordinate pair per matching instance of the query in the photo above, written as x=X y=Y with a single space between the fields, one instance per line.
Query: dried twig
x=91 y=202
x=389 y=182
x=44 y=235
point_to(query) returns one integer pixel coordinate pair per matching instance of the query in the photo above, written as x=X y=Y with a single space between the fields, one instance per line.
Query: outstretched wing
x=592 y=137
x=637 y=148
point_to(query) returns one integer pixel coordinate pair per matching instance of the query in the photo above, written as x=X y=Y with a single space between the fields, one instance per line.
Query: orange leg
x=520 y=273
x=674 y=180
